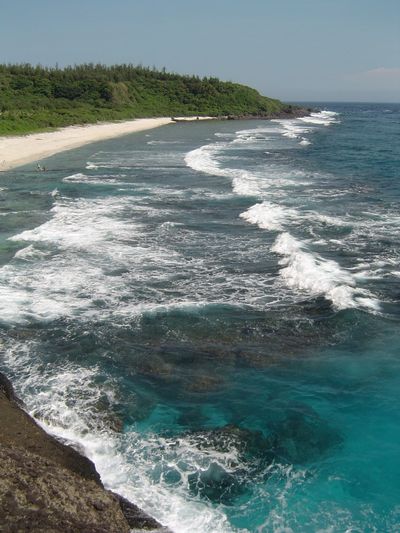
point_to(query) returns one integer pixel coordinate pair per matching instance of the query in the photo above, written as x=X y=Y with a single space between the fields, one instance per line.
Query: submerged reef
x=302 y=437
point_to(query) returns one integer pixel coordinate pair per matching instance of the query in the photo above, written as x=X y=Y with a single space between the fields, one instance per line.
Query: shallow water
x=212 y=311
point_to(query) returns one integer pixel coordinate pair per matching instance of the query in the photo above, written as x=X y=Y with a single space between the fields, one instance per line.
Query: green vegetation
x=40 y=98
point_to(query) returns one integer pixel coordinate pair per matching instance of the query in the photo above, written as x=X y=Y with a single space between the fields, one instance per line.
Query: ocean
x=211 y=312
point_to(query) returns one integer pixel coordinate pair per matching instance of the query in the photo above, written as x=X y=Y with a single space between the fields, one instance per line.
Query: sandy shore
x=20 y=150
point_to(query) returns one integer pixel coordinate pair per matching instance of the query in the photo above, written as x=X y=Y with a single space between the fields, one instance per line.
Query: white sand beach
x=20 y=150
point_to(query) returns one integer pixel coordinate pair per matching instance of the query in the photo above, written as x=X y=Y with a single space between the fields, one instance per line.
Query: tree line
x=35 y=97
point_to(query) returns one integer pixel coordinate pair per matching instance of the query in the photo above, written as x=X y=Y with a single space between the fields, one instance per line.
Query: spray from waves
x=68 y=266
x=225 y=135
x=82 y=224
x=322 y=118
x=164 y=142
x=298 y=127
x=29 y=253
x=293 y=130
x=303 y=270
x=267 y=215
x=253 y=136
x=136 y=466
x=94 y=180
x=203 y=160
x=92 y=259
x=310 y=273
x=244 y=183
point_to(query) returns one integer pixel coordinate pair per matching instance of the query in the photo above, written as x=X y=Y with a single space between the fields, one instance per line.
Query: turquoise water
x=211 y=311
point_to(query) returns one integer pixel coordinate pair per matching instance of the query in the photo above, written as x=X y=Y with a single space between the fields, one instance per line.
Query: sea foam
x=321 y=118
x=65 y=269
x=267 y=215
x=203 y=159
x=309 y=272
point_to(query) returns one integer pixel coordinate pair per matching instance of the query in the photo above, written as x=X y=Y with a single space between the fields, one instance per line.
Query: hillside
x=34 y=98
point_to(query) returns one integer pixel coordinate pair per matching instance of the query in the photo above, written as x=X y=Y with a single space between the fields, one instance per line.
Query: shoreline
x=45 y=483
x=27 y=451
x=36 y=146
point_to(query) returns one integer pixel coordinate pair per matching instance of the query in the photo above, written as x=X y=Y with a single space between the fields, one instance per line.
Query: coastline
x=36 y=146
x=46 y=484
x=147 y=125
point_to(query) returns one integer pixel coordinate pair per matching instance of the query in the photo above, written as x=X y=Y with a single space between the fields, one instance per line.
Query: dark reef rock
x=204 y=383
x=7 y=389
x=46 y=486
x=137 y=519
x=223 y=485
x=301 y=438
x=288 y=112
x=250 y=444
x=155 y=367
x=216 y=484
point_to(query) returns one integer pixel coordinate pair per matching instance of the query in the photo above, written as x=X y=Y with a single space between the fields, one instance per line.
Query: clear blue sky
x=290 y=49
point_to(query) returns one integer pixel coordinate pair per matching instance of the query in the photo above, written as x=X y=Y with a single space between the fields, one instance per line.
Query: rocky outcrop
x=288 y=112
x=37 y=494
x=46 y=486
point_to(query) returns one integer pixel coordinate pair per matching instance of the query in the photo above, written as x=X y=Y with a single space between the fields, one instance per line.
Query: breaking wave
x=305 y=271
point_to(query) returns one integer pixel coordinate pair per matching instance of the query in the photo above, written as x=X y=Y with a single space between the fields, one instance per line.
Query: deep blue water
x=211 y=311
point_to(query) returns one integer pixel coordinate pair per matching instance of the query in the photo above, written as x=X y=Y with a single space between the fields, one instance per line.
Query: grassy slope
x=37 y=98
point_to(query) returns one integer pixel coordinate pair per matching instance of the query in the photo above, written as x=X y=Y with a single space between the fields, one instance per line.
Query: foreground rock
x=46 y=486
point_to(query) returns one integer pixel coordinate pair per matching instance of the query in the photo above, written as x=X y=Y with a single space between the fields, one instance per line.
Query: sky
x=295 y=50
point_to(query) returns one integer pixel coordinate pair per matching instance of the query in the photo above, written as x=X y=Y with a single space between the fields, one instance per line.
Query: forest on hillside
x=34 y=98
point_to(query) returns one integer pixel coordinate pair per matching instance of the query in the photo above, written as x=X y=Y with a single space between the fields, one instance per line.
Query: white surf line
x=306 y=271
x=244 y=183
